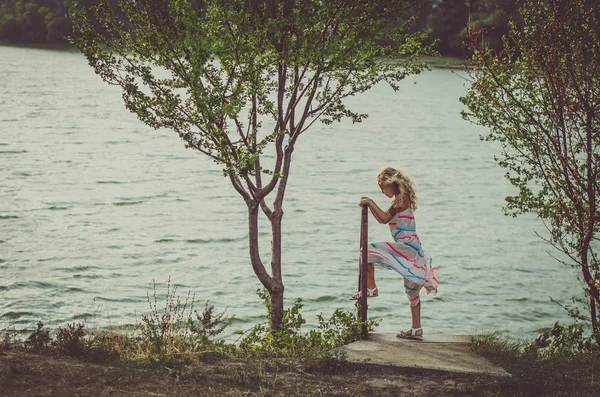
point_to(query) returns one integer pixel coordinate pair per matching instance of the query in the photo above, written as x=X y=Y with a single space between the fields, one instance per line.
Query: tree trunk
x=595 y=329
x=277 y=292
x=273 y=283
x=277 y=305
x=591 y=289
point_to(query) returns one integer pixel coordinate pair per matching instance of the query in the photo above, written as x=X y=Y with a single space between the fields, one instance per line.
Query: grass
x=53 y=372
x=174 y=351
x=543 y=369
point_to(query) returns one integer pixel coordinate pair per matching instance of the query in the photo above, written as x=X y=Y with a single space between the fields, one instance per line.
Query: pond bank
x=24 y=373
x=27 y=374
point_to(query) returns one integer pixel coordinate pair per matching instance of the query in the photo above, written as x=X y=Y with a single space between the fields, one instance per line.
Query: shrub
x=173 y=329
x=291 y=346
x=39 y=339
x=7 y=338
x=70 y=340
x=562 y=357
x=565 y=340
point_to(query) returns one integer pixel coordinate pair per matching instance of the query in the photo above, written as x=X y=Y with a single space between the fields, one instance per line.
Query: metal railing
x=362 y=274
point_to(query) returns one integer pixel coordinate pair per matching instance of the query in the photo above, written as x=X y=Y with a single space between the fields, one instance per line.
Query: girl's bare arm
x=382 y=216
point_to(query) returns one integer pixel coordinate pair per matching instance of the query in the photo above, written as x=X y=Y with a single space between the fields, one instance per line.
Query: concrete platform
x=450 y=353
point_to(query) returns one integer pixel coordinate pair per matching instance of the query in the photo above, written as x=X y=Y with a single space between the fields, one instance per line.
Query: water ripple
x=9 y=217
x=121 y=203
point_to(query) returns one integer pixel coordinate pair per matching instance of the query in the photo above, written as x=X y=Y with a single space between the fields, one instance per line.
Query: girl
x=405 y=254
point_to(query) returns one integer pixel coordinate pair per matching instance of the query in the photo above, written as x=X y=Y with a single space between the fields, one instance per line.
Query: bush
x=565 y=341
x=176 y=335
x=70 y=340
x=560 y=358
x=173 y=329
x=39 y=339
x=291 y=346
x=7 y=338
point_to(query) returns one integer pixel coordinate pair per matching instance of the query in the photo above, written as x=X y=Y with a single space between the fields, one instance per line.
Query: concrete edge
x=418 y=368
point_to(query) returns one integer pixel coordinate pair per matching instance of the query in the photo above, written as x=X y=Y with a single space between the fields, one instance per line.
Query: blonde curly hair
x=404 y=184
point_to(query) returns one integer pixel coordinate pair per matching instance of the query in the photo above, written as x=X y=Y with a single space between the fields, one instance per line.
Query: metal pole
x=362 y=300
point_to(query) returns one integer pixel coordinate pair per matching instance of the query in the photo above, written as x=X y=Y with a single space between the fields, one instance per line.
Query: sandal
x=371 y=293
x=412 y=334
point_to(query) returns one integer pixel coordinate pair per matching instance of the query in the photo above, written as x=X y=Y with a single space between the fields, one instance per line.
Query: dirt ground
x=26 y=374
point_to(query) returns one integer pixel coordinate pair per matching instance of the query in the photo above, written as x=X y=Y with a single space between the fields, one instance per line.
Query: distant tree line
x=47 y=21
x=34 y=21
x=37 y=21
x=447 y=20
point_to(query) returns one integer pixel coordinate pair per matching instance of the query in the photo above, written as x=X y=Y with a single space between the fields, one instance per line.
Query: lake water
x=94 y=206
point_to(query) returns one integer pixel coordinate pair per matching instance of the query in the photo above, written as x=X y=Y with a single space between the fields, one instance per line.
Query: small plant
x=208 y=324
x=160 y=327
x=263 y=340
x=565 y=340
x=341 y=328
x=108 y=345
x=173 y=329
x=70 y=340
x=39 y=339
x=7 y=338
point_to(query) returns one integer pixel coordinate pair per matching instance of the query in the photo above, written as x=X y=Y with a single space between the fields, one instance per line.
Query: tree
x=450 y=17
x=34 y=21
x=240 y=81
x=540 y=97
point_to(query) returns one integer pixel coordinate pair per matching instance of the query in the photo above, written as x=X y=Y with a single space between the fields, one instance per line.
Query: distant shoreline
x=433 y=62
x=40 y=46
x=447 y=62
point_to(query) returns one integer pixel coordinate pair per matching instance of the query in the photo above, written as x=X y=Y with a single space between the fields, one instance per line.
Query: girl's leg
x=415 y=312
x=371 y=276
x=413 y=292
x=371 y=286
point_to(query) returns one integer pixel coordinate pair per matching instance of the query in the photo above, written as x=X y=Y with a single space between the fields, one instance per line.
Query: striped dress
x=406 y=256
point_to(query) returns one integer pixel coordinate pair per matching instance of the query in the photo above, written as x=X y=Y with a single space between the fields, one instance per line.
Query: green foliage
x=537 y=99
x=566 y=340
x=341 y=328
x=228 y=55
x=176 y=335
x=107 y=346
x=160 y=328
x=561 y=357
x=239 y=79
x=208 y=324
x=173 y=329
x=291 y=345
x=173 y=333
